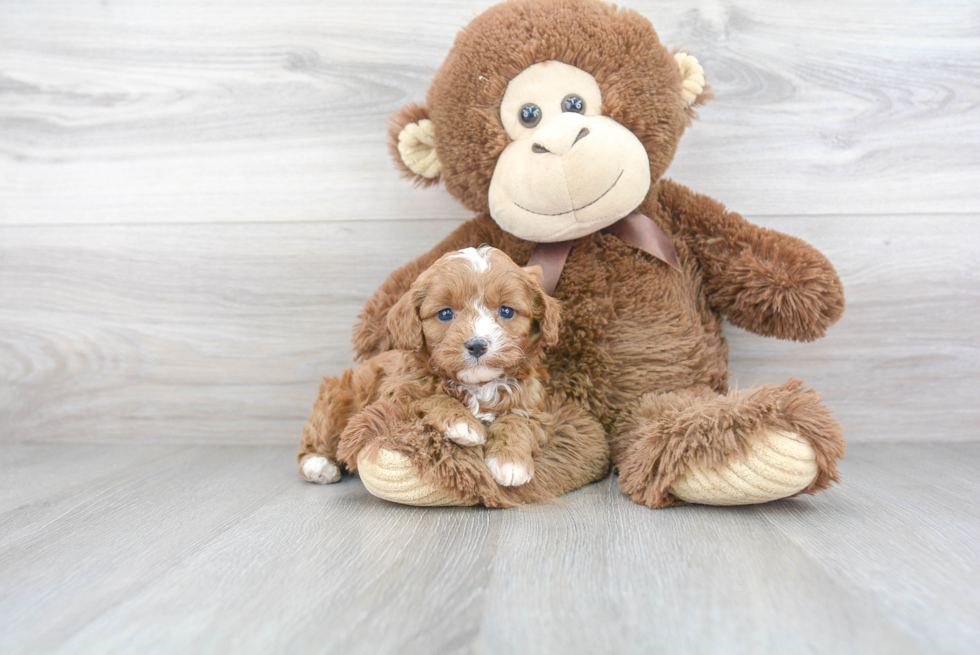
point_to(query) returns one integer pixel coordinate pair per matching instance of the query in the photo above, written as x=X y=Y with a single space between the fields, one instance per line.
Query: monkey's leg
x=741 y=448
x=402 y=460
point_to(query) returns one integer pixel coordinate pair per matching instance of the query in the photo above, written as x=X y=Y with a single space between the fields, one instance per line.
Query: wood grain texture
x=196 y=199
x=133 y=111
x=183 y=333
x=924 y=503
x=215 y=332
x=212 y=549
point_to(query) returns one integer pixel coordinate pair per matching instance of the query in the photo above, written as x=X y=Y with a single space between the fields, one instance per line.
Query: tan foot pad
x=391 y=476
x=779 y=466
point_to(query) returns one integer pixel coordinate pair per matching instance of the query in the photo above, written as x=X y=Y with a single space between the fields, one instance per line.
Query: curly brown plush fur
x=641 y=353
x=662 y=434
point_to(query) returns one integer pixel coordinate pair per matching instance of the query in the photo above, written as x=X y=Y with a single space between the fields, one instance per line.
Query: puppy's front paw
x=510 y=474
x=464 y=434
x=319 y=469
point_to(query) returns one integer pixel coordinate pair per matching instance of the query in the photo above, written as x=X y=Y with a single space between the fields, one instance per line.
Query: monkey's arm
x=764 y=281
x=370 y=332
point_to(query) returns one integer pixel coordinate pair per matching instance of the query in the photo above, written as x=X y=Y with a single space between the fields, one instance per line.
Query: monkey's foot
x=391 y=476
x=781 y=465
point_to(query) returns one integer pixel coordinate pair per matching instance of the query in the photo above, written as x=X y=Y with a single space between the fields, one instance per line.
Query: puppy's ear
x=535 y=273
x=545 y=309
x=550 y=320
x=404 y=323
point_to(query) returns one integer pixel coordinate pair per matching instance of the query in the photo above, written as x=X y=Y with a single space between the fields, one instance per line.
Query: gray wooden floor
x=194 y=549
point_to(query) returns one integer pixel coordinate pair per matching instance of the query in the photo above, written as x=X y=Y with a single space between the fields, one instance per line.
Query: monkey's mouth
x=576 y=209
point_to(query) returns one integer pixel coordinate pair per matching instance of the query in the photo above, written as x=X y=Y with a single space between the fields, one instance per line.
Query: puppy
x=468 y=362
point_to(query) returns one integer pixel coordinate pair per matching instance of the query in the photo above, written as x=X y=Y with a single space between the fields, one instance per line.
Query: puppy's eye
x=506 y=312
x=530 y=115
x=572 y=102
x=446 y=315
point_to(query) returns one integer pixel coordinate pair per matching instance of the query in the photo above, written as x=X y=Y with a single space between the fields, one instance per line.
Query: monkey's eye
x=506 y=313
x=530 y=115
x=574 y=103
x=446 y=315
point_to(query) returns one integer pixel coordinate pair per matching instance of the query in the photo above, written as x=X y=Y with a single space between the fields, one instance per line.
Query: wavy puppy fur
x=470 y=334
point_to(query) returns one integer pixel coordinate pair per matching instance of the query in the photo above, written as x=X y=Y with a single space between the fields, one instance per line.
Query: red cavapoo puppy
x=469 y=335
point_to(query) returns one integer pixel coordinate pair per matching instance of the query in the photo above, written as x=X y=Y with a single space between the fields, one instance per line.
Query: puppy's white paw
x=464 y=435
x=509 y=474
x=320 y=470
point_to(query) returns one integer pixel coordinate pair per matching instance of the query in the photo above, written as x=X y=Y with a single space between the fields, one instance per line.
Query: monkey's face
x=555 y=117
x=568 y=171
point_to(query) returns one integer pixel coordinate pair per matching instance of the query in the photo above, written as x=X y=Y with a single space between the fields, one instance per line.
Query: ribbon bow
x=636 y=229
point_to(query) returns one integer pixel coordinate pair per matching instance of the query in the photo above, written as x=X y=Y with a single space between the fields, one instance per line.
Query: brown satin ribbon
x=551 y=258
x=636 y=229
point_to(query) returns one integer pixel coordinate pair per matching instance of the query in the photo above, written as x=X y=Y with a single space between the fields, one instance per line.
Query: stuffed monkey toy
x=554 y=122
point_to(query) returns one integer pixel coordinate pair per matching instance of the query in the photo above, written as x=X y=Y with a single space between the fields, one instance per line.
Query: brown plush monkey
x=554 y=120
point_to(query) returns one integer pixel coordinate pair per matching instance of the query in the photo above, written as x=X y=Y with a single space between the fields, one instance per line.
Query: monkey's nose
x=476 y=347
x=556 y=146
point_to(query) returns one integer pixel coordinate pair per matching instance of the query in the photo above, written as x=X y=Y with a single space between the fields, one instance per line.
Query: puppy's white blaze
x=476 y=257
x=508 y=474
x=486 y=327
x=320 y=470
x=464 y=435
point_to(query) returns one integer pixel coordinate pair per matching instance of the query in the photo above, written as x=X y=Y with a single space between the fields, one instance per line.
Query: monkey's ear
x=694 y=90
x=404 y=324
x=412 y=142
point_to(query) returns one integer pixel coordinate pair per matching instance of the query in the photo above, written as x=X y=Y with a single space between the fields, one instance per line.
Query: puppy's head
x=478 y=315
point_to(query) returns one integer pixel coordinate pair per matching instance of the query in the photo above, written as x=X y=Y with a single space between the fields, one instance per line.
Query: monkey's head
x=556 y=117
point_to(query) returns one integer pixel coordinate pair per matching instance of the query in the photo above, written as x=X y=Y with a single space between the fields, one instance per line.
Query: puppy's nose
x=476 y=347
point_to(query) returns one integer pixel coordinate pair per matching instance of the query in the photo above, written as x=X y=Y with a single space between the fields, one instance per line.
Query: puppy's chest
x=490 y=400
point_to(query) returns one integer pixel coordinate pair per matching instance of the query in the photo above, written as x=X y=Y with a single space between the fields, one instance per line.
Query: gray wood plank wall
x=195 y=199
